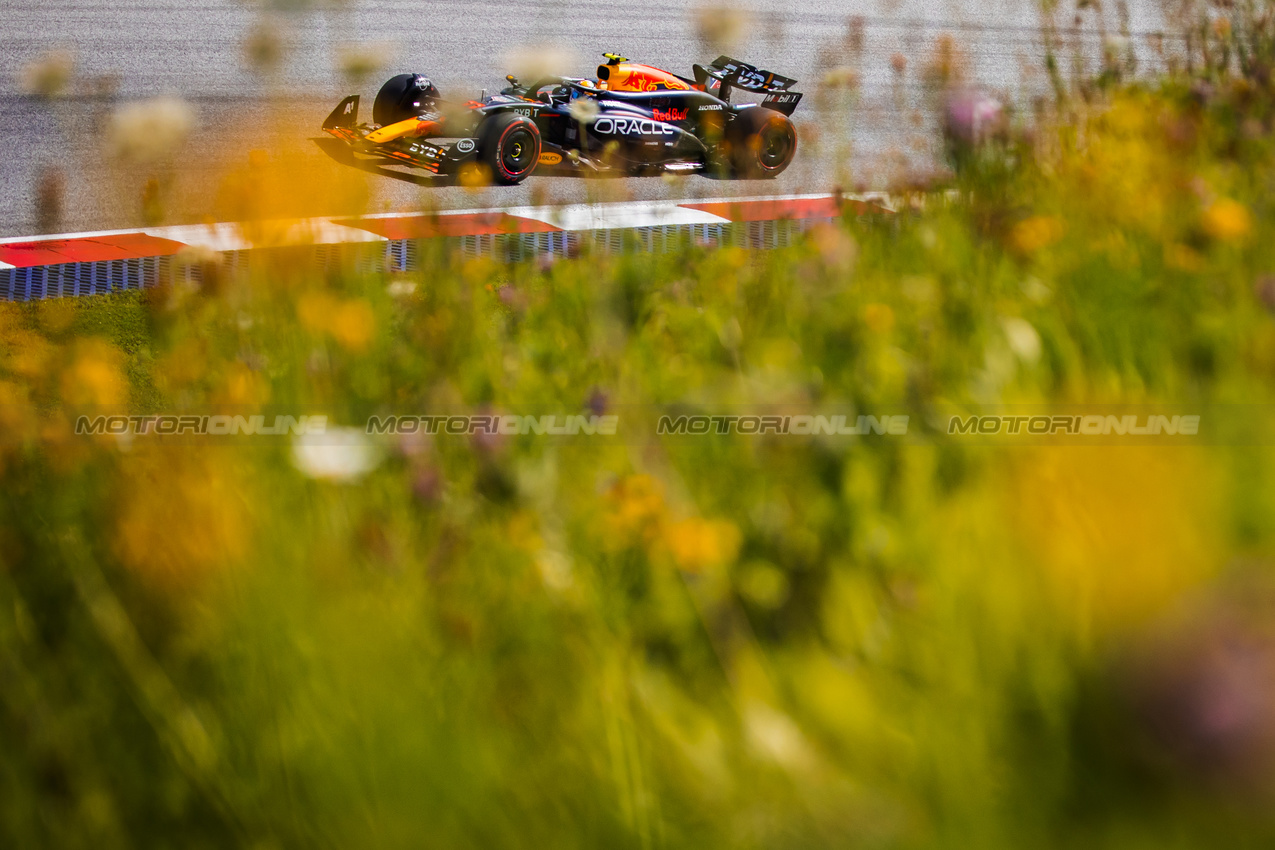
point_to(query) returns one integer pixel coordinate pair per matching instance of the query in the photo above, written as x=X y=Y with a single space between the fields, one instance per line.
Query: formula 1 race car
x=630 y=119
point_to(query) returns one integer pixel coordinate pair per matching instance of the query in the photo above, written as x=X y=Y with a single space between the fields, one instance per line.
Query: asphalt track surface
x=129 y=50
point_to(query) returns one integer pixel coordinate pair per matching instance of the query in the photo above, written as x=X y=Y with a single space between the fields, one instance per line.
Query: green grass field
x=643 y=641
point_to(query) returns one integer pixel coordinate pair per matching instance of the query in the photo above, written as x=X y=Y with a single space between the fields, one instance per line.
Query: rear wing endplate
x=731 y=73
x=742 y=75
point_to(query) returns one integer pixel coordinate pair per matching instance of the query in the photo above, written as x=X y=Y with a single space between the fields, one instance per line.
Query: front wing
x=435 y=155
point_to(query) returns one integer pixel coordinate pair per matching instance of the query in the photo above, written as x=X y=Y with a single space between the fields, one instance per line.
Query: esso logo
x=465 y=146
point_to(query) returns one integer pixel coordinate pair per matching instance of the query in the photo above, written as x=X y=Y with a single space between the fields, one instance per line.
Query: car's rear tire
x=762 y=143
x=510 y=146
x=392 y=102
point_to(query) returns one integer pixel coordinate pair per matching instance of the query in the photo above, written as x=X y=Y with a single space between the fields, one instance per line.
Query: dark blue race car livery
x=629 y=119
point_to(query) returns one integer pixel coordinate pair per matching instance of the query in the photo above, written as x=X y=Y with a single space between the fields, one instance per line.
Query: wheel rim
x=519 y=152
x=776 y=145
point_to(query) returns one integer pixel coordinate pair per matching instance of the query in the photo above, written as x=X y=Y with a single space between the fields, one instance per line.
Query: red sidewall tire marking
x=500 y=151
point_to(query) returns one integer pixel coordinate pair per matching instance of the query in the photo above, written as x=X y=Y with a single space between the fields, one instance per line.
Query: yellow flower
x=878 y=317
x=636 y=506
x=1228 y=221
x=353 y=325
x=474 y=175
x=94 y=379
x=1036 y=233
x=1120 y=532
x=698 y=544
x=313 y=309
x=181 y=514
x=1183 y=258
x=244 y=387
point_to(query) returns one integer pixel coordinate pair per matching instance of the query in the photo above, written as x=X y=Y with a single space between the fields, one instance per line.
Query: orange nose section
x=409 y=128
x=637 y=78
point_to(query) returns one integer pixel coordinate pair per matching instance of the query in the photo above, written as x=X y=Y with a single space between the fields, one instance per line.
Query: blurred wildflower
x=243 y=387
x=898 y=64
x=971 y=116
x=359 y=62
x=341 y=455
x=533 y=62
x=879 y=318
x=598 y=402
x=1227 y=220
x=584 y=110
x=95 y=377
x=836 y=247
x=353 y=324
x=1183 y=257
x=1122 y=533
x=49 y=75
x=1264 y=289
x=776 y=736
x=841 y=77
x=350 y=322
x=50 y=188
x=206 y=265
x=698 y=544
x=427 y=484
x=636 y=506
x=152 y=202
x=150 y=130
x=947 y=67
x=181 y=513
x=1036 y=233
x=264 y=46
x=1022 y=338
x=722 y=28
x=401 y=287
x=474 y=175
x=1205 y=688
x=763 y=584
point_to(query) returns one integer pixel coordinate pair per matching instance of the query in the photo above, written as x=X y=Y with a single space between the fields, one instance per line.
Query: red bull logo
x=639 y=78
x=671 y=115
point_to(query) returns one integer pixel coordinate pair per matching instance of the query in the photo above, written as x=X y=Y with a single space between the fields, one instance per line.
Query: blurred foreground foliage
x=722 y=642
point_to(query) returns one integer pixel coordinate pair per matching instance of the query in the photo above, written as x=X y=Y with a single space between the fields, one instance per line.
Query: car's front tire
x=510 y=146
x=762 y=143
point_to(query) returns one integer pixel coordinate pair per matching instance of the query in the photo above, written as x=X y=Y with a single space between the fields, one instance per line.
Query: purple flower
x=972 y=116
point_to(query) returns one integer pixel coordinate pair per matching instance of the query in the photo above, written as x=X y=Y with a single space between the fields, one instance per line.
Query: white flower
x=343 y=455
x=585 y=110
x=401 y=288
x=149 y=130
x=1023 y=339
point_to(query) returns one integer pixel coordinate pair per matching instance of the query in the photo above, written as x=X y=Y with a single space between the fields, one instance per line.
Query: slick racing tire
x=510 y=146
x=762 y=143
x=392 y=105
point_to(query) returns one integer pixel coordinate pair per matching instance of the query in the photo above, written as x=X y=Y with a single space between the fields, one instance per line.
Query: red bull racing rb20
x=629 y=119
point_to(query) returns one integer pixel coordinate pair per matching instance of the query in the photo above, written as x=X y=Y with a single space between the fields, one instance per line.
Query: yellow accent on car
x=550 y=158
x=410 y=127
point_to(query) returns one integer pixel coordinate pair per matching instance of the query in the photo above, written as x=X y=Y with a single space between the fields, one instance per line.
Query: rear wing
x=731 y=73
